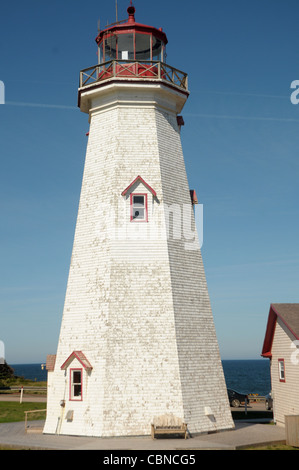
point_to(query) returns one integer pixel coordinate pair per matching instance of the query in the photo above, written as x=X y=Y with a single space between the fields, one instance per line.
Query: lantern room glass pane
x=143 y=46
x=100 y=54
x=157 y=49
x=110 y=48
x=125 y=43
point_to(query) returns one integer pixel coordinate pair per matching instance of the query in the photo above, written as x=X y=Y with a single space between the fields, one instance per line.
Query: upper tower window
x=138 y=200
x=139 y=208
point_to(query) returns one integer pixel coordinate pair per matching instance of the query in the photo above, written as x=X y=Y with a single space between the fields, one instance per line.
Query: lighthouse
x=137 y=342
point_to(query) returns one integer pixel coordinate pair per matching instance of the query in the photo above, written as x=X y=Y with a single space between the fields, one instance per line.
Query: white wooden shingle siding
x=137 y=303
x=285 y=394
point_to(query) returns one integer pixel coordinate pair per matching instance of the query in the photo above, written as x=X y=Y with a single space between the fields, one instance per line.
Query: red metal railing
x=141 y=70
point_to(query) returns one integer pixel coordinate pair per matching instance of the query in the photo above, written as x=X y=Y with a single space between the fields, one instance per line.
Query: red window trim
x=284 y=371
x=71 y=398
x=145 y=207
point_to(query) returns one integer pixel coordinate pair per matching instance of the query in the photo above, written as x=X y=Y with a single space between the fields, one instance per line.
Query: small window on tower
x=76 y=384
x=139 y=208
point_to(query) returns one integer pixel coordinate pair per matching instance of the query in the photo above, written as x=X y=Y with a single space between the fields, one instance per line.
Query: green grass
x=272 y=447
x=19 y=382
x=13 y=411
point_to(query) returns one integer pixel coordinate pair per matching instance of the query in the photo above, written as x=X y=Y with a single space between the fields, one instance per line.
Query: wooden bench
x=168 y=424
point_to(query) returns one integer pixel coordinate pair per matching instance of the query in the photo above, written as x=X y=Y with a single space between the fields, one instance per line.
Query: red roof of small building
x=289 y=315
x=50 y=362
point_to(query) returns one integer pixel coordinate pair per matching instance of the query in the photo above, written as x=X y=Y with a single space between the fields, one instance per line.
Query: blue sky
x=240 y=142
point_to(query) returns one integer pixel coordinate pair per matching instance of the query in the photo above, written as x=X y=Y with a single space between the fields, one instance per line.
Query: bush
x=6 y=372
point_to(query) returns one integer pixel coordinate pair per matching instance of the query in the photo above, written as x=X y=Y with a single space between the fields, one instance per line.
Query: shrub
x=6 y=372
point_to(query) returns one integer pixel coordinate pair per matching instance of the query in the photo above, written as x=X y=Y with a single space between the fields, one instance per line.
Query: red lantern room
x=131 y=51
x=129 y=40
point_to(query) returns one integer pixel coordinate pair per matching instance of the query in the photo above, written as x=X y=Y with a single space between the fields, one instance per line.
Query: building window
x=139 y=208
x=281 y=370
x=76 y=384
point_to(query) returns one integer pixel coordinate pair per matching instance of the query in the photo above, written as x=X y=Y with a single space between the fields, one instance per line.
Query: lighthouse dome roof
x=122 y=27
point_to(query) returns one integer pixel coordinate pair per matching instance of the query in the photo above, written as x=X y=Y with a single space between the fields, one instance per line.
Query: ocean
x=247 y=376
x=30 y=371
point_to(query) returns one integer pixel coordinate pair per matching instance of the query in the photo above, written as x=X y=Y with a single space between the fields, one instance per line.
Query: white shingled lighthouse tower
x=137 y=341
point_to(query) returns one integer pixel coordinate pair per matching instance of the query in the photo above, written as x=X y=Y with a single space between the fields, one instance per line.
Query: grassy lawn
x=17 y=382
x=272 y=447
x=12 y=411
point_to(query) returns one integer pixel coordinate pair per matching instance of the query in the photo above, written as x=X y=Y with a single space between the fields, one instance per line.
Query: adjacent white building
x=137 y=338
x=281 y=347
